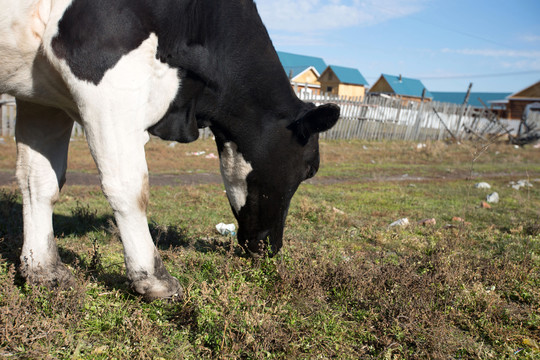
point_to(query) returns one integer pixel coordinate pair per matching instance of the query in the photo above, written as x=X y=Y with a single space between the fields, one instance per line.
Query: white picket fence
x=370 y=118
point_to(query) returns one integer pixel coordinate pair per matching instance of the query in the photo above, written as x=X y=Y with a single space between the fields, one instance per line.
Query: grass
x=344 y=286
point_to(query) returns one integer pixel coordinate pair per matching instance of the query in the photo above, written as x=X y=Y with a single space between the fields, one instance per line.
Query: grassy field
x=344 y=286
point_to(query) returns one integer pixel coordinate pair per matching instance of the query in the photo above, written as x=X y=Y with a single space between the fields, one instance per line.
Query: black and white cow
x=126 y=68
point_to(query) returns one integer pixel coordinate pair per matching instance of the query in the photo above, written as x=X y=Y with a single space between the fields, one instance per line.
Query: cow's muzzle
x=265 y=243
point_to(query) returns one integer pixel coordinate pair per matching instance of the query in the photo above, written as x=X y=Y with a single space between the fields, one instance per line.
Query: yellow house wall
x=407 y=99
x=333 y=84
x=352 y=90
x=313 y=89
x=329 y=79
x=381 y=86
x=307 y=77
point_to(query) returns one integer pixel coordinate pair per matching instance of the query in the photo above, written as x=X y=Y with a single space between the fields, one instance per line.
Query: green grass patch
x=344 y=286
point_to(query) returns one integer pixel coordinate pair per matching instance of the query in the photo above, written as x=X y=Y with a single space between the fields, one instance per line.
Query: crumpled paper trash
x=493 y=198
x=401 y=223
x=520 y=184
x=226 y=229
x=482 y=185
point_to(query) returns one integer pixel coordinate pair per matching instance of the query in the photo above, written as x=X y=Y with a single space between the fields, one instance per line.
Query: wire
x=464 y=76
x=477 y=76
x=442 y=26
x=473 y=36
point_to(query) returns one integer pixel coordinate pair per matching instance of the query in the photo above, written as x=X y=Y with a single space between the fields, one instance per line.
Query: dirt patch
x=7 y=178
x=85 y=179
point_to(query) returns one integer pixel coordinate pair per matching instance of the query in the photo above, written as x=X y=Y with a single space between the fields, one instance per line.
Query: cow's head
x=261 y=173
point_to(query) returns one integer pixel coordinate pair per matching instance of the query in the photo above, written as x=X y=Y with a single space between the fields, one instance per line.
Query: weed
x=95 y=260
x=83 y=213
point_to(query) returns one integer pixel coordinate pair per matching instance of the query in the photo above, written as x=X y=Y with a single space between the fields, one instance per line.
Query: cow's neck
x=225 y=52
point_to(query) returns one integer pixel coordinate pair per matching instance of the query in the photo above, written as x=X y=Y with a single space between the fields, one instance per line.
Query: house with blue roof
x=476 y=99
x=399 y=86
x=303 y=71
x=343 y=81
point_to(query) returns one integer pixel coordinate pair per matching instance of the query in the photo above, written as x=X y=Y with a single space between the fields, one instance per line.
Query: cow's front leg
x=42 y=135
x=116 y=107
x=118 y=149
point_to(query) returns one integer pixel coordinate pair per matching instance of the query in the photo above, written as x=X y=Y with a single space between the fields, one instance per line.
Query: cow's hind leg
x=42 y=135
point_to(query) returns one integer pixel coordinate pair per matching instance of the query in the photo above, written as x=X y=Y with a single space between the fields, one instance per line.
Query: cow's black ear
x=316 y=120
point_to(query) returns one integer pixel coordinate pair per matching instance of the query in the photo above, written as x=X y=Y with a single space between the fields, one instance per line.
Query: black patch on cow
x=180 y=123
x=222 y=44
x=94 y=34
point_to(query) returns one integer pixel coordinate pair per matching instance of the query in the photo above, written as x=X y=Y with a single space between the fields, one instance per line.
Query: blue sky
x=447 y=44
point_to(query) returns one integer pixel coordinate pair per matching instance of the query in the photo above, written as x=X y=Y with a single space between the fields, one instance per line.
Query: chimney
x=400 y=78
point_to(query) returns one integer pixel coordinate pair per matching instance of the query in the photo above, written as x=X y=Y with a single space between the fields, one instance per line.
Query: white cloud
x=507 y=59
x=530 y=38
x=308 y=16
x=530 y=64
x=495 y=53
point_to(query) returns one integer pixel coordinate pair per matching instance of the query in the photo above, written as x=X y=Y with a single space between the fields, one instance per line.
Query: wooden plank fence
x=370 y=118
x=7 y=115
x=384 y=118
x=534 y=120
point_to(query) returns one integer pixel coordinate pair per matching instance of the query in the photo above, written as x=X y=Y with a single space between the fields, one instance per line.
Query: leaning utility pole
x=464 y=108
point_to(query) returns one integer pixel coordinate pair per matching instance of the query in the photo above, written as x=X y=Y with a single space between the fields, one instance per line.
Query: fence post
x=7 y=115
x=3 y=114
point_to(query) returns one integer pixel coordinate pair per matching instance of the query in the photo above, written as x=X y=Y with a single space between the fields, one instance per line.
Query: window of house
x=329 y=89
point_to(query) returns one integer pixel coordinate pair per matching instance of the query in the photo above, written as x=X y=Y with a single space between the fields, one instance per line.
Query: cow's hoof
x=152 y=288
x=52 y=276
